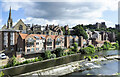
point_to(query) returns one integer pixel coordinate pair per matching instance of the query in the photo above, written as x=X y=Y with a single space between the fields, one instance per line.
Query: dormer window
x=20 y=27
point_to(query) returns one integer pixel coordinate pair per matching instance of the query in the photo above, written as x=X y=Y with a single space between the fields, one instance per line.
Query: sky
x=62 y=12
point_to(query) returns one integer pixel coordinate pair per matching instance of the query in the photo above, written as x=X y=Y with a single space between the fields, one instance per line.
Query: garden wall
x=25 y=68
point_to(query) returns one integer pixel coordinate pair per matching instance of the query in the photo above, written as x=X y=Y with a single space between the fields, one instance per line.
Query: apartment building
x=30 y=44
x=70 y=40
x=8 y=40
x=35 y=43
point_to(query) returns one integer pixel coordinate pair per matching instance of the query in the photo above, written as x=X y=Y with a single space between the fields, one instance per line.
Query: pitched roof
x=52 y=36
x=23 y=36
x=36 y=35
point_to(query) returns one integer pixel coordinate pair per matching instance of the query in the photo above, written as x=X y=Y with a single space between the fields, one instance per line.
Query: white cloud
x=0 y=23
x=72 y=13
x=71 y=22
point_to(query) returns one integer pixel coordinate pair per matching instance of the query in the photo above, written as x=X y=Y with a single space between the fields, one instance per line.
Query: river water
x=108 y=67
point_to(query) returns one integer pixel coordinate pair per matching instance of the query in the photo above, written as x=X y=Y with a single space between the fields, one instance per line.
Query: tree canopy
x=79 y=31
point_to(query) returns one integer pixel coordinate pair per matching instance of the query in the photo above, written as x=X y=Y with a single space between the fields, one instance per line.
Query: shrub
x=65 y=53
x=70 y=52
x=1 y=74
x=116 y=45
x=98 y=49
x=91 y=46
x=87 y=50
x=89 y=58
x=96 y=56
x=40 y=58
x=75 y=47
x=47 y=54
x=106 y=45
x=53 y=55
x=58 y=52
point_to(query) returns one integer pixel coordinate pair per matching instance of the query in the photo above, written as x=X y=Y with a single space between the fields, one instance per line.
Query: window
x=59 y=33
x=58 y=41
x=11 y=42
x=71 y=42
x=51 y=33
x=11 y=38
x=28 y=50
x=49 y=42
x=47 y=33
x=32 y=49
x=37 y=49
x=20 y=27
x=12 y=49
x=49 y=48
x=37 y=43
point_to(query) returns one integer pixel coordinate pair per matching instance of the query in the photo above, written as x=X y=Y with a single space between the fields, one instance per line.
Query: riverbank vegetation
x=59 y=52
x=105 y=46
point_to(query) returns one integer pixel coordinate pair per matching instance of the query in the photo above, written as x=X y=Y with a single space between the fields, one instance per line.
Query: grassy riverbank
x=59 y=52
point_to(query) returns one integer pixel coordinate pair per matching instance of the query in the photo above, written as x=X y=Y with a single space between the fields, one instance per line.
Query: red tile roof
x=23 y=36
x=36 y=35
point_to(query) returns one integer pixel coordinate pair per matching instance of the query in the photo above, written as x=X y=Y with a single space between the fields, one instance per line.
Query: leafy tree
x=63 y=30
x=58 y=52
x=87 y=50
x=78 y=30
x=47 y=54
x=68 y=32
x=75 y=47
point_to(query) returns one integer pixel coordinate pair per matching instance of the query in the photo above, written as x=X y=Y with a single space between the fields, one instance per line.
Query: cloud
x=0 y=23
x=62 y=11
x=70 y=22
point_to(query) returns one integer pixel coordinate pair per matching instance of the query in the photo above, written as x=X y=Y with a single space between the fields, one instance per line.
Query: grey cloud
x=61 y=10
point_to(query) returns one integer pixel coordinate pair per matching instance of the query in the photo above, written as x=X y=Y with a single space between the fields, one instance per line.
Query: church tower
x=9 y=22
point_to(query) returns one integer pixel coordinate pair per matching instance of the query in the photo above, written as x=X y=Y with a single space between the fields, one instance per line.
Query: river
x=108 y=67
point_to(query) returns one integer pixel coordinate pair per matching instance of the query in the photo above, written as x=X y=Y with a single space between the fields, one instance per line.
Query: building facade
x=8 y=42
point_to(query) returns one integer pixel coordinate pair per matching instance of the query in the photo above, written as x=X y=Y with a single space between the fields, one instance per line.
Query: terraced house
x=35 y=43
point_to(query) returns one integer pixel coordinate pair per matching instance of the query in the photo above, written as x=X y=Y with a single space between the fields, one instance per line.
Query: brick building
x=8 y=40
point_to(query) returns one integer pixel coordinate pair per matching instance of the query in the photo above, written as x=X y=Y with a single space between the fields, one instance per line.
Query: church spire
x=10 y=14
x=9 y=23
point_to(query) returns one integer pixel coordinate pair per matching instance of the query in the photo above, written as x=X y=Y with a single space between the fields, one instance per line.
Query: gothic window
x=20 y=27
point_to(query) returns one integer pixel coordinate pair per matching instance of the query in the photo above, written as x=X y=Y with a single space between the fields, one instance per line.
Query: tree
x=58 y=52
x=63 y=30
x=106 y=45
x=75 y=47
x=47 y=54
x=12 y=61
x=118 y=37
x=79 y=31
x=87 y=50
x=68 y=32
